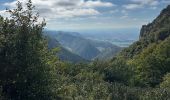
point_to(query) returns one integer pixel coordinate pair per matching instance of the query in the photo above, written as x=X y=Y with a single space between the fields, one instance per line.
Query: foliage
x=155 y=94
x=166 y=81
x=24 y=54
x=31 y=71
x=152 y=64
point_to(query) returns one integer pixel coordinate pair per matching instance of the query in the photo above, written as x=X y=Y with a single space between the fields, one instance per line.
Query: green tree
x=151 y=64
x=27 y=66
x=166 y=81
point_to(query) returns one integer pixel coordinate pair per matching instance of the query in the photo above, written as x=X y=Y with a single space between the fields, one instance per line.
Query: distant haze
x=119 y=37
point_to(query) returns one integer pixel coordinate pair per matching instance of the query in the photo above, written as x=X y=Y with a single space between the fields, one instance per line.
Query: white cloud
x=132 y=6
x=4 y=13
x=165 y=1
x=135 y=4
x=146 y=2
x=113 y=11
x=51 y=9
x=124 y=17
x=153 y=8
x=98 y=4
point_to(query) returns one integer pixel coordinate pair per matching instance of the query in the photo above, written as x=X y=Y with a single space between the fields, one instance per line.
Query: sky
x=93 y=14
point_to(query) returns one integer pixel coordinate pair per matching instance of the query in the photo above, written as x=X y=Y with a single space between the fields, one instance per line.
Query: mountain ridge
x=153 y=32
x=149 y=57
x=85 y=48
x=63 y=53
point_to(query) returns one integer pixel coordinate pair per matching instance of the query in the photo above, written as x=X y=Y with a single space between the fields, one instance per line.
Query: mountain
x=77 y=45
x=149 y=57
x=63 y=53
x=119 y=37
x=107 y=50
x=85 y=48
x=154 y=32
x=108 y=53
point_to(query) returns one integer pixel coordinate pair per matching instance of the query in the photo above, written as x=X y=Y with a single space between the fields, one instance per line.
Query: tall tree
x=27 y=67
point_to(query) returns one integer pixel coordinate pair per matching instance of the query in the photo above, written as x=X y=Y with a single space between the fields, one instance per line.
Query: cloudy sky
x=94 y=14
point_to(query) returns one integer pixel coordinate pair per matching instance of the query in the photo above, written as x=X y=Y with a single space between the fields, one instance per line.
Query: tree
x=24 y=54
x=151 y=64
x=166 y=81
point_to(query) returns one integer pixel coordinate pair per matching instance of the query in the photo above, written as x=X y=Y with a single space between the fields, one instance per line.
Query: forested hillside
x=154 y=32
x=63 y=54
x=29 y=70
x=85 y=48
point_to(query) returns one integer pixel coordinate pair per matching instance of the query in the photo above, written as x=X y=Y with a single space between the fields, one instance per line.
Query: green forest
x=29 y=70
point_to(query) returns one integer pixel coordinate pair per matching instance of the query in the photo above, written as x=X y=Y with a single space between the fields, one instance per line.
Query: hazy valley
x=107 y=59
x=89 y=49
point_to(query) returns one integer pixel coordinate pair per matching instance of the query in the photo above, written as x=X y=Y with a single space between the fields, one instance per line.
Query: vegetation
x=64 y=54
x=86 y=48
x=29 y=70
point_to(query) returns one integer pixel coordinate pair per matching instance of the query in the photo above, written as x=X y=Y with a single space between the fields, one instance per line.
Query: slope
x=149 y=58
x=86 y=48
x=63 y=53
x=154 y=32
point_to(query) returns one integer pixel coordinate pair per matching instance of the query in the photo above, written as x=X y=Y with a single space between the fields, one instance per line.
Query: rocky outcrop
x=159 y=29
x=153 y=32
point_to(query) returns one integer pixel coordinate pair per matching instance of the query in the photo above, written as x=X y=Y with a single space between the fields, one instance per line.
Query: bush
x=166 y=81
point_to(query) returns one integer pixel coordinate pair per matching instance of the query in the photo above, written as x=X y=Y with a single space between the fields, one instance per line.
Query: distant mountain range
x=76 y=48
x=63 y=53
x=119 y=37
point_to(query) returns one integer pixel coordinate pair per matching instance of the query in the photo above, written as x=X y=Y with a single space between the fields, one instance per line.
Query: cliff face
x=159 y=29
x=154 y=32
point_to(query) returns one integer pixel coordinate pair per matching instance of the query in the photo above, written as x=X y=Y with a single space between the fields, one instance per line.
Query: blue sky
x=94 y=14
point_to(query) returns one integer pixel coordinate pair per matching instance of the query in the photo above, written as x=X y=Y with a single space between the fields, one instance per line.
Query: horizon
x=89 y=50
x=95 y=15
